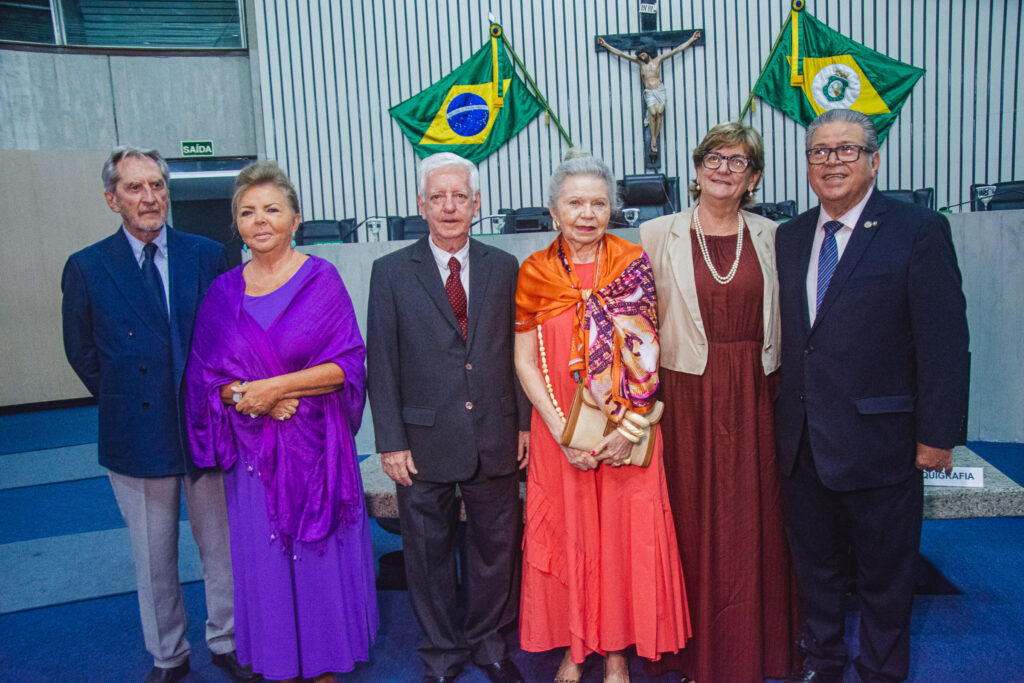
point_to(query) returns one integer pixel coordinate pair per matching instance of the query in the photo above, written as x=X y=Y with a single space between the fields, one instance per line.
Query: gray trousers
x=150 y=509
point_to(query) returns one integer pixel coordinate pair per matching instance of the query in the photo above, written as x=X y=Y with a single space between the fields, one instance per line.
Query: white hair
x=441 y=160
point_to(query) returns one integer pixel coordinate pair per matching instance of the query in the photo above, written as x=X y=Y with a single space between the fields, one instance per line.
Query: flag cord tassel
x=529 y=79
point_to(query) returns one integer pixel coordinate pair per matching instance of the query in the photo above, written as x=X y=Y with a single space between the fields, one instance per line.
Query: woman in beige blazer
x=714 y=268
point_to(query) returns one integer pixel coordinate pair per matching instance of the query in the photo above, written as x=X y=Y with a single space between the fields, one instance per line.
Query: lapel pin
x=870 y=224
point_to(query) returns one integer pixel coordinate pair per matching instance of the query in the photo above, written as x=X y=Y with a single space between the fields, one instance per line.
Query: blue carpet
x=969 y=637
x=59 y=509
x=43 y=429
x=1008 y=458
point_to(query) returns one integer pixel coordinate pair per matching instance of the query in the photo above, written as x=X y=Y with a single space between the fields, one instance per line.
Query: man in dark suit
x=129 y=304
x=446 y=410
x=873 y=390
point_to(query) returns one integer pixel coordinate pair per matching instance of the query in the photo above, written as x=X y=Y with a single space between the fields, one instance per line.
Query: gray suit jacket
x=455 y=404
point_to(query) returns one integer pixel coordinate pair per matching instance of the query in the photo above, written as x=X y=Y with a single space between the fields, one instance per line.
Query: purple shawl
x=307 y=463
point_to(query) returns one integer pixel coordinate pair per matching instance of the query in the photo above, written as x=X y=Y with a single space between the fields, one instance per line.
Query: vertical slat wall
x=329 y=71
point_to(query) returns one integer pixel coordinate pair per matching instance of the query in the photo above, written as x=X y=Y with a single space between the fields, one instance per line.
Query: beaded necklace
x=702 y=242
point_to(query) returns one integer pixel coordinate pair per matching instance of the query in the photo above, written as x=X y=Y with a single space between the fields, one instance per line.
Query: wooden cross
x=649 y=38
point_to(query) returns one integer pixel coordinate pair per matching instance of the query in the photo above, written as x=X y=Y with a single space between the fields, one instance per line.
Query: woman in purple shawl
x=275 y=391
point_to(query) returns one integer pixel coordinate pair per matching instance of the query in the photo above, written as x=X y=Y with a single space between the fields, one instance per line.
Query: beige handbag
x=586 y=424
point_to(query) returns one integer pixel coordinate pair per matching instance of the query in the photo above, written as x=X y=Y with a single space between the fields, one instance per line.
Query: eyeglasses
x=845 y=153
x=736 y=163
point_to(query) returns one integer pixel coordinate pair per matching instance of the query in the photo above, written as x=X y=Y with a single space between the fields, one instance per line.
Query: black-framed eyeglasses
x=845 y=153
x=737 y=163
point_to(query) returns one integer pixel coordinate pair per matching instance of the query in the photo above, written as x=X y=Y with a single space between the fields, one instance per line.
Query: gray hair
x=844 y=116
x=111 y=176
x=579 y=161
x=440 y=160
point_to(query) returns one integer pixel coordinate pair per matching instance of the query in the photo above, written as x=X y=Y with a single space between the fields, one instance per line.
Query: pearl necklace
x=702 y=242
x=547 y=378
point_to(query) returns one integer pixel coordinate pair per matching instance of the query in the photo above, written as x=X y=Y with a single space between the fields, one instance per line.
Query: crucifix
x=645 y=55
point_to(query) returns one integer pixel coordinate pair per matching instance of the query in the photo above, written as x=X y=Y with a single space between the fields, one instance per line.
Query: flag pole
x=533 y=85
x=771 y=55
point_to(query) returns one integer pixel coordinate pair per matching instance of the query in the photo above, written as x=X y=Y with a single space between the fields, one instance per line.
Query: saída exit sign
x=197 y=148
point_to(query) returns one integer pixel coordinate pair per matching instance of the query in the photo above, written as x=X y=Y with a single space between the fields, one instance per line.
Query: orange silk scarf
x=615 y=338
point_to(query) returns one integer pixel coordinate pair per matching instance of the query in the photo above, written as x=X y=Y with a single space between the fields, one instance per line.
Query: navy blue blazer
x=455 y=404
x=130 y=361
x=885 y=364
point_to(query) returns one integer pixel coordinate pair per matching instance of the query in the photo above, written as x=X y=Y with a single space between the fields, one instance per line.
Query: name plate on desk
x=969 y=477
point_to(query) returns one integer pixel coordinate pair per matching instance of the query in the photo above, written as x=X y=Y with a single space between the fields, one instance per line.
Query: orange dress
x=601 y=568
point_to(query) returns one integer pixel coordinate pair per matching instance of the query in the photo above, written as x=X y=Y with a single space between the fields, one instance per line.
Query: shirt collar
x=137 y=244
x=442 y=257
x=851 y=217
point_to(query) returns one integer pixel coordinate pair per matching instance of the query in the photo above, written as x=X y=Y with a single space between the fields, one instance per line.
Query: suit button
x=143 y=369
x=145 y=404
x=469 y=366
x=469 y=405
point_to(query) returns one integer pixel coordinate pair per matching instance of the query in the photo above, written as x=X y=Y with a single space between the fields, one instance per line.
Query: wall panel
x=330 y=71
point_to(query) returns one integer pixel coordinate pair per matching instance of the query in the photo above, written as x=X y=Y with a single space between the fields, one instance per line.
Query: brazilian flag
x=472 y=111
x=813 y=68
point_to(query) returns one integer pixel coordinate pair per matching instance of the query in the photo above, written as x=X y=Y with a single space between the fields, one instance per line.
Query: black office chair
x=652 y=194
x=528 y=219
x=1006 y=196
x=314 y=232
x=923 y=197
x=776 y=211
x=414 y=227
x=349 y=230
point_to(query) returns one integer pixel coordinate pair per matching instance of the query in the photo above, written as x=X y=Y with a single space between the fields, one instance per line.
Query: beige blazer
x=684 y=344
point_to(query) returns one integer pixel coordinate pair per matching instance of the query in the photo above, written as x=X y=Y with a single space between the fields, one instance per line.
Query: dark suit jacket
x=127 y=359
x=453 y=403
x=885 y=364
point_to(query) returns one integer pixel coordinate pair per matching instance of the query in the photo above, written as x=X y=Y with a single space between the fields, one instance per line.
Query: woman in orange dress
x=601 y=569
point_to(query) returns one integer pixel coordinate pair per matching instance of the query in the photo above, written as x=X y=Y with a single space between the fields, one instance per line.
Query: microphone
x=996 y=193
x=953 y=206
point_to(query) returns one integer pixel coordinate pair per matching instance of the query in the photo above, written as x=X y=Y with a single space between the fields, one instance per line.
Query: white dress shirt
x=843 y=235
x=441 y=258
x=159 y=260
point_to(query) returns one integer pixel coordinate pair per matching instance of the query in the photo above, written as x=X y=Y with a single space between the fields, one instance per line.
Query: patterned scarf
x=615 y=331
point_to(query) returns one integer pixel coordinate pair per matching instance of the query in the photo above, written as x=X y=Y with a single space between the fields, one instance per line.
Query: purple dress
x=305 y=601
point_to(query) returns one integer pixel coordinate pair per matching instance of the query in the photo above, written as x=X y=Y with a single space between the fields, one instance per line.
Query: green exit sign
x=197 y=148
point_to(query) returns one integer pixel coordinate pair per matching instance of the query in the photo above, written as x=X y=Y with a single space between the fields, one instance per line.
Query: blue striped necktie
x=828 y=259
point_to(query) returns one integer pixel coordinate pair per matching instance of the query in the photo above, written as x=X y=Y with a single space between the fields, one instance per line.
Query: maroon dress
x=723 y=484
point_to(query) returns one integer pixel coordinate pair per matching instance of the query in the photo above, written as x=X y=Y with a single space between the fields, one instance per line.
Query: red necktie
x=456 y=294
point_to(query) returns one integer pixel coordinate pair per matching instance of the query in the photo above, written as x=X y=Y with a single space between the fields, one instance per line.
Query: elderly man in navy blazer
x=129 y=304
x=447 y=413
x=873 y=390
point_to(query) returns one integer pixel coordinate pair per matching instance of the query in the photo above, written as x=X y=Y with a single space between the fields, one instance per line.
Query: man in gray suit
x=446 y=410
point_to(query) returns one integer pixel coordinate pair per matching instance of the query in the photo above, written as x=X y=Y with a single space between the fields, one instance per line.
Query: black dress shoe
x=235 y=671
x=504 y=671
x=439 y=679
x=808 y=675
x=160 y=675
